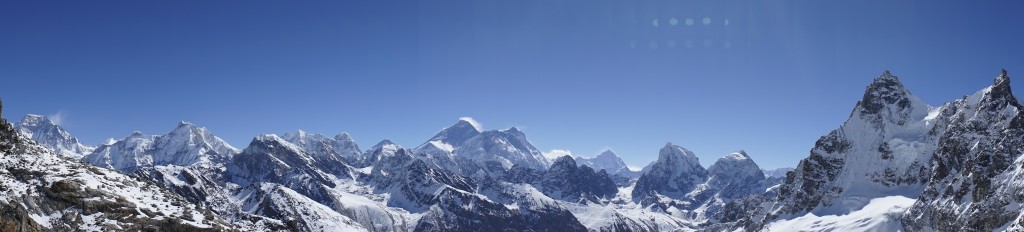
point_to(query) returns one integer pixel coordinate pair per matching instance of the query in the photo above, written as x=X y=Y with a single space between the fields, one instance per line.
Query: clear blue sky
x=576 y=75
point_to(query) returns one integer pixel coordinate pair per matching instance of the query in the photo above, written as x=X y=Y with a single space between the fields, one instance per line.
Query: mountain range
x=895 y=164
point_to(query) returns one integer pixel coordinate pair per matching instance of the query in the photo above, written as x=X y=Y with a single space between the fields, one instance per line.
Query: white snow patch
x=880 y=214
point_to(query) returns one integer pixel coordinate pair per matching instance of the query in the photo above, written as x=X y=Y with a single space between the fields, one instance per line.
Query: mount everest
x=895 y=164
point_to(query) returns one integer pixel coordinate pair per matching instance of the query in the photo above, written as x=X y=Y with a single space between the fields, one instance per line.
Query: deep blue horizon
x=712 y=76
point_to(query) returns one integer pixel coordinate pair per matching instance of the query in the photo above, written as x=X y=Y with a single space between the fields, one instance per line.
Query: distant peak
x=476 y=125
x=885 y=90
x=184 y=123
x=607 y=153
x=670 y=150
x=267 y=137
x=384 y=143
x=136 y=134
x=1002 y=79
x=738 y=155
x=343 y=136
x=109 y=141
x=35 y=119
x=1001 y=88
x=564 y=159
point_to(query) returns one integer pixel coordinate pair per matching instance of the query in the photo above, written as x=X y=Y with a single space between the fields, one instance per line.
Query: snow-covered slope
x=295 y=210
x=50 y=135
x=676 y=172
x=507 y=147
x=186 y=145
x=880 y=214
x=610 y=162
x=881 y=150
x=42 y=191
x=340 y=147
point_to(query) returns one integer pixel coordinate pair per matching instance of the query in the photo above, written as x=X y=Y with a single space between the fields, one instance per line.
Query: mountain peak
x=184 y=124
x=885 y=90
x=671 y=153
x=471 y=122
x=607 y=154
x=344 y=136
x=383 y=143
x=136 y=134
x=267 y=137
x=738 y=155
x=36 y=120
x=1001 y=85
x=564 y=160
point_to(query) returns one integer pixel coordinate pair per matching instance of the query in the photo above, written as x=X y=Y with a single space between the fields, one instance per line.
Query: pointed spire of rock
x=885 y=90
x=1000 y=90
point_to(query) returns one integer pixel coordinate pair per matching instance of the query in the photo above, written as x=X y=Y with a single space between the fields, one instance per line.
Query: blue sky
x=575 y=75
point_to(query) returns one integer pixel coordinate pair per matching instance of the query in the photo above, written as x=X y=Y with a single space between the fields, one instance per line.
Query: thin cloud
x=57 y=118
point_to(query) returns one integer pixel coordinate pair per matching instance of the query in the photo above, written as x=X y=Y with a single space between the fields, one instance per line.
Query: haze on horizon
x=712 y=76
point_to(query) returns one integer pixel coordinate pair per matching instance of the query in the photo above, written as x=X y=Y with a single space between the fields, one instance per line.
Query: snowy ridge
x=465 y=139
x=895 y=164
x=50 y=135
x=186 y=145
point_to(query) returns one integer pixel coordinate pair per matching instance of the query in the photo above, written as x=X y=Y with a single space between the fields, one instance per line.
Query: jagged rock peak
x=607 y=154
x=136 y=134
x=564 y=160
x=344 y=136
x=1001 y=87
x=671 y=151
x=885 y=90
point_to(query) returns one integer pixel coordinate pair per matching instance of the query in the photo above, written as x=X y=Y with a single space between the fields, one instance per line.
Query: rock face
x=676 y=172
x=271 y=159
x=735 y=176
x=341 y=147
x=976 y=182
x=613 y=165
x=50 y=135
x=881 y=150
x=566 y=181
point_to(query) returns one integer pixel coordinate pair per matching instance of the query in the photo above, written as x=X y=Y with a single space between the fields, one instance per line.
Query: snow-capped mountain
x=881 y=150
x=895 y=164
x=977 y=179
x=565 y=180
x=341 y=146
x=50 y=135
x=676 y=172
x=734 y=176
x=44 y=191
x=507 y=147
x=186 y=145
x=610 y=162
